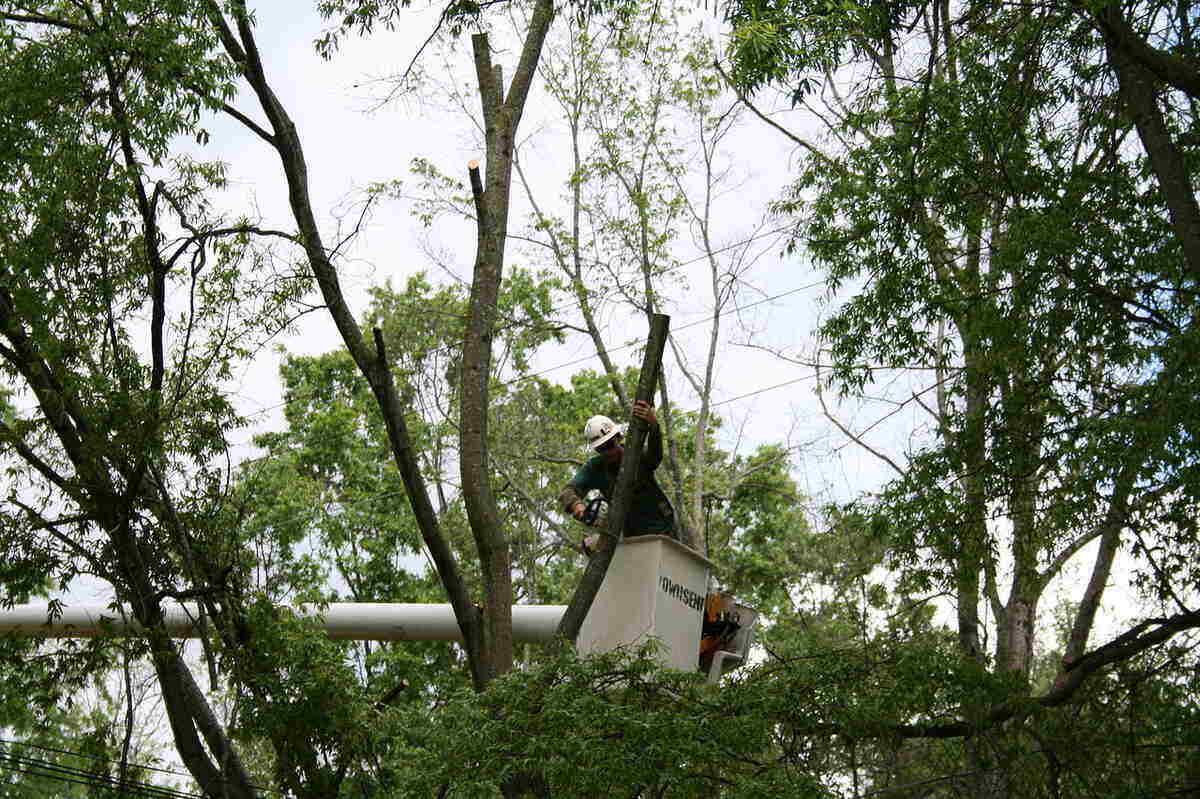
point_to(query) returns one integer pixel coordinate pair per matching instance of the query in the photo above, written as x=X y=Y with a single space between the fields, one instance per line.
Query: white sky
x=349 y=146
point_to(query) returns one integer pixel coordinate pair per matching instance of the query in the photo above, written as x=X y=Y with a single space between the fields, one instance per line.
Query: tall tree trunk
x=973 y=538
x=501 y=115
x=1022 y=435
x=284 y=138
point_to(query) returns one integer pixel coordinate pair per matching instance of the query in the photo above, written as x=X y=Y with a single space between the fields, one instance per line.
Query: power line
x=633 y=282
x=44 y=748
x=784 y=384
x=619 y=348
x=142 y=767
x=701 y=321
x=762 y=390
x=45 y=769
x=756 y=392
x=618 y=286
x=628 y=345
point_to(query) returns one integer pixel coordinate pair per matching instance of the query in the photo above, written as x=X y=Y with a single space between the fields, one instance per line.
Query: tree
x=330 y=521
x=1009 y=249
x=124 y=299
x=487 y=630
x=502 y=112
x=92 y=204
x=126 y=441
x=653 y=158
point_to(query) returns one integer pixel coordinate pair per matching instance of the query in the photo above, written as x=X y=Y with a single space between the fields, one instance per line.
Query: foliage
x=360 y=17
x=126 y=299
x=814 y=721
x=327 y=520
x=605 y=725
x=93 y=247
x=1006 y=252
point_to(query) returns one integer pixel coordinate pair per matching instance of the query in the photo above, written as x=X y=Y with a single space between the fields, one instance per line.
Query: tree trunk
x=1138 y=91
x=501 y=116
x=243 y=50
x=972 y=544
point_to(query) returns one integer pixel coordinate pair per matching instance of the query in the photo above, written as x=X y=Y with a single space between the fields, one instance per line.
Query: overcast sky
x=351 y=141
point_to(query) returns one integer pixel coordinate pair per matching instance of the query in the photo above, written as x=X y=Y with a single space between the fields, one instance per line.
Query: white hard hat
x=600 y=429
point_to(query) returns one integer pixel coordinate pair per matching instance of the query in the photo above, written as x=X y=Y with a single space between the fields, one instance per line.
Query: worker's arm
x=570 y=501
x=653 y=454
x=654 y=448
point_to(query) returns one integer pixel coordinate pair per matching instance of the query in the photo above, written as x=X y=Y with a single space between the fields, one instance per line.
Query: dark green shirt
x=650 y=512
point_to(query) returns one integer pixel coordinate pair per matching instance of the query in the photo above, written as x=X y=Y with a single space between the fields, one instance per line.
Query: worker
x=650 y=512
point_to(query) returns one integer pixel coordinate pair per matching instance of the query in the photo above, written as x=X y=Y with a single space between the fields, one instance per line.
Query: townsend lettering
x=681 y=592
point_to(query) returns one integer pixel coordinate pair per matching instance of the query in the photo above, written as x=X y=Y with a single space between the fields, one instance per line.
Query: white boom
x=655 y=588
x=358 y=621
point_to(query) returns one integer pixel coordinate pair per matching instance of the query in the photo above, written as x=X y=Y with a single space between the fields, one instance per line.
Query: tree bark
x=1021 y=431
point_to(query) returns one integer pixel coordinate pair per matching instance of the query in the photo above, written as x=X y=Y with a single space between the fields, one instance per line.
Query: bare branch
x=42 y=19
x=849 y=434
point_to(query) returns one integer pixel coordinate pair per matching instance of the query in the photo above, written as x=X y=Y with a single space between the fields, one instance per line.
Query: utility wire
x=578 y=303
x=761 y=390
x=634 y=282
x=30 y=745
x=586 y=358
x=44 y=748
x=377 y=497
x=37 y=767
x=140 y=766
x=618 y=286
x=631 y=344
x=628 y=345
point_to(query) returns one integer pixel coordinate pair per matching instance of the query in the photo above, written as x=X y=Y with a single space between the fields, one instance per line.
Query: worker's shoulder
x=593 y=466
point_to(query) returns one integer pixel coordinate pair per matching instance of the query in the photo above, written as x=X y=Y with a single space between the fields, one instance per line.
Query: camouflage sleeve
x=568 y=497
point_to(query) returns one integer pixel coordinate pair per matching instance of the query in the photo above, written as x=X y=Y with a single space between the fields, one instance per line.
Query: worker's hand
x=645 y=411
x=577 y=510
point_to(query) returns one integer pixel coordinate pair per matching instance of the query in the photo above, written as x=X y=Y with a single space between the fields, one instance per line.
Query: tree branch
x=1167 y=67
x=850 y=435
x=1138 y=93
x=372 y=366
